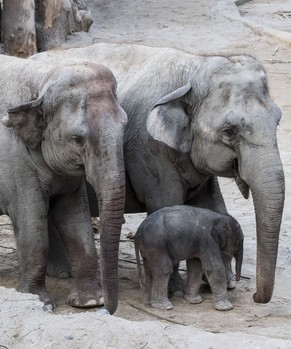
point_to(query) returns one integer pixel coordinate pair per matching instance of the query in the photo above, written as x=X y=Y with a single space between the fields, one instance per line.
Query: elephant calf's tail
x=136 y=243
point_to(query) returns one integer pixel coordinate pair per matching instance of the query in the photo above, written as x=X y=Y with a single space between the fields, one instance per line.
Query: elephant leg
x=194 y=279
x=59 y=264
x=215 y=272
x=71 y=217
x=161 y=268
x=28 y=214
x=176 y=283
x=148 y=282
x=230 y=277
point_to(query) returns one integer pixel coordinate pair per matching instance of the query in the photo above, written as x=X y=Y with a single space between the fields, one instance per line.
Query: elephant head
x=228 y=234
x=78 y=124
x=224 y=117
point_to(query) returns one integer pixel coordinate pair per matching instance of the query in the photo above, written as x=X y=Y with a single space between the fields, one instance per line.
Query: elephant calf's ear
x=219 y=233
x=27 y=121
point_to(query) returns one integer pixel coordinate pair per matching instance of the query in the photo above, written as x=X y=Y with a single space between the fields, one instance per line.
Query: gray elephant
x=191 y=119
x=201 y=237
x=62 y=124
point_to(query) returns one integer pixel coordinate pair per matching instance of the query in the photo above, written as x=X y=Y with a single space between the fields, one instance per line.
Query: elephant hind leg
x=194 y=279
x=161 y=271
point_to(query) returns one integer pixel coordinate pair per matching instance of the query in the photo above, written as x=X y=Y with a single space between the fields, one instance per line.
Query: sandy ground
x=260 y=28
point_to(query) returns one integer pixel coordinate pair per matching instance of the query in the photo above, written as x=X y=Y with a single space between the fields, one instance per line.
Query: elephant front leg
x=215 y=272
x=31 y=233
x=230 y=277
x=71 y=217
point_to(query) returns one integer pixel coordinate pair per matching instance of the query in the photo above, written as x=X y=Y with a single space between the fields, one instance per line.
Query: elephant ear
x=27 y=121
x=219 y=233
x=168 y=122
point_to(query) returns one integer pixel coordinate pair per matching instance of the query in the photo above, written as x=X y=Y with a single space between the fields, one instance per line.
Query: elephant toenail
x=91 y=303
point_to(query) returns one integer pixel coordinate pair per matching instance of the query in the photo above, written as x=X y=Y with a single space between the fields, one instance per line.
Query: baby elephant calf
x=203 y=238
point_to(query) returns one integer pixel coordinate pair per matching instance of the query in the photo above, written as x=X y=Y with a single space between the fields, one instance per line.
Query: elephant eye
x=78 y=140
x=229 y=133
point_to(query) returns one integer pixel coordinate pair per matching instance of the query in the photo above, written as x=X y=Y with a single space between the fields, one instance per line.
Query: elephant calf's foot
x=231 y=284
x=193 y=298
x=84 y=300
x=223 y=305
x=164 y=304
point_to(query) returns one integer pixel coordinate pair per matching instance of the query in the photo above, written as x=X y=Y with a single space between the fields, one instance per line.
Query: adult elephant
x=191 y=119
x=60 y=124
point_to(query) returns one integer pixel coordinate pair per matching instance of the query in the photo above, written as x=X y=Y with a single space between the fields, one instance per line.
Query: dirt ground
x=260 y=28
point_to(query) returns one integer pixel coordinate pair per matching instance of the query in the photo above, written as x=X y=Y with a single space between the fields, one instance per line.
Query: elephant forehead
x=242 y=80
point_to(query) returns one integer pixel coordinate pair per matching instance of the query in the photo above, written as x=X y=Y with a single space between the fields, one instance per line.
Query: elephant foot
x=193 y=298
x=223 y=305
x=84 y=300
x=164 y=304
x=231 y=284
x=43 y=295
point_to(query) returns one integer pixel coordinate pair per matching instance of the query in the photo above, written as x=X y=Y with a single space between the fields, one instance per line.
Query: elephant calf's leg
x=230 y=277
x=148 y=283
x=161 y=270
x=217 y=282
x=194 y=279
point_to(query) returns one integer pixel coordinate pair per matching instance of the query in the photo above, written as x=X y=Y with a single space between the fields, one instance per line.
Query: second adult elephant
x=59 y=125
x=190 y=119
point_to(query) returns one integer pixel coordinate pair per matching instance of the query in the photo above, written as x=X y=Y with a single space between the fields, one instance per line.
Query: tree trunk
x=56 y=19
x=1 y=36
x=18 y=26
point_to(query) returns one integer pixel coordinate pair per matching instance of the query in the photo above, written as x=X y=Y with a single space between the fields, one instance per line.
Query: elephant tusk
x=242 y=185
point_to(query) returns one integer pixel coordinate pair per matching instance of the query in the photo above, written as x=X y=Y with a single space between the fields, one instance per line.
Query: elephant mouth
x=242 y=185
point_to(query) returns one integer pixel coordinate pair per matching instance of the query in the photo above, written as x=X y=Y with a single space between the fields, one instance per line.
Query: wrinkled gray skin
x=62 y=124
x=191 y=119
x=201 y=237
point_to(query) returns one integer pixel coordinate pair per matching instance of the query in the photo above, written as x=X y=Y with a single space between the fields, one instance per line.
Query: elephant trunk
x=263 y=172
x=108 y=181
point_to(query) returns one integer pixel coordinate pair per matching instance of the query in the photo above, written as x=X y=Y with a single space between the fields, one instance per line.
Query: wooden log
x=18 y=26
x=56 y=19
x=1 y=35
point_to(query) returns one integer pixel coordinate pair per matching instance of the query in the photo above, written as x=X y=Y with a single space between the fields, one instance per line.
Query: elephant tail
x=137 y=256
